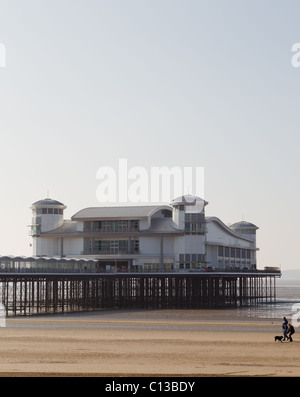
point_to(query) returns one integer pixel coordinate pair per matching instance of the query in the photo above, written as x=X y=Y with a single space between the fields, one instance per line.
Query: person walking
x=284 y=328
x=290 y=331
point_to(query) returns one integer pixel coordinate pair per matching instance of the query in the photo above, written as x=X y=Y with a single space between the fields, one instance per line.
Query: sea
x=287 y=303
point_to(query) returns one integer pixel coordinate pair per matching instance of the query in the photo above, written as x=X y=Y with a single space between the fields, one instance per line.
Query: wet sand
x=146 y=343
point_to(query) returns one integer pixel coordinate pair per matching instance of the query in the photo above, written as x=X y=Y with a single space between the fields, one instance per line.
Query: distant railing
x=110 y=230
x=112 y=252
x=135 y=269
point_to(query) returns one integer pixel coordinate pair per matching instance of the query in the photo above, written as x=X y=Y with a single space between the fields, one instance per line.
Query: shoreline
x=124 y=344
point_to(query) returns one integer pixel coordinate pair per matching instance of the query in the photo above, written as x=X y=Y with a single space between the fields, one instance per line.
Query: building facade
x=175 y=237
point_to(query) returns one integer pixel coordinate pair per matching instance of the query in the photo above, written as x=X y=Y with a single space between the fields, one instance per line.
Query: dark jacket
x=291 y=329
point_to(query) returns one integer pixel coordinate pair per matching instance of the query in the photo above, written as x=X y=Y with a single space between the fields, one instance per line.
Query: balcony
x=110 y=230
x=112 y=252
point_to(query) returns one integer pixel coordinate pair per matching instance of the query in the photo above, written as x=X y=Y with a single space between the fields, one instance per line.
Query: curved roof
x=47 y=202
x=126 y=212
x=244 y=225
x=230 y=230
x=44 y=259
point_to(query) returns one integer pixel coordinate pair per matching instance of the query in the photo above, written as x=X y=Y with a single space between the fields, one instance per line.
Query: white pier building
x=175 y=237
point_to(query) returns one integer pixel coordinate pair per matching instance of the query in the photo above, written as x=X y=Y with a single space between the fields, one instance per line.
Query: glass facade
x=46 y=211
x=194 y=223
x=111 y=226
x=119 y=247
x=235 y=257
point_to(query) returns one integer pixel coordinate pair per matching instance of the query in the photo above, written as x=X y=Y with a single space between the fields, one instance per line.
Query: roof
x=243 y=225
x=126 y=212
x=189 y=199
x=193 y=204
x=48 y=202
x=162 y=225
x=68 y=227
x=232 y=231
x=13 y=258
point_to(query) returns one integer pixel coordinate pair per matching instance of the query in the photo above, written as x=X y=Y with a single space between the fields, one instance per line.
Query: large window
x=195 y=223
x=191 y=261
x=234 y=253
x=116 y=247
x=112 y=226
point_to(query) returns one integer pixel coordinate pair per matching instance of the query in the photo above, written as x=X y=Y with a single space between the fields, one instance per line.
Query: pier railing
x=69 y=270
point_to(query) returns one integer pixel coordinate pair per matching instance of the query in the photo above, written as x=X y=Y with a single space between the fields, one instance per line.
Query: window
x=102 y=246
x=115 y=246
x=96 y=225
x=121 y=226
x=51 y=211
x=35 y=230
x=147 y=267
x=106 y=226
x=168 y=267
x=134 y=225
x=194 y=227
x=135 y=246
x=115 y=226
x=220 y=250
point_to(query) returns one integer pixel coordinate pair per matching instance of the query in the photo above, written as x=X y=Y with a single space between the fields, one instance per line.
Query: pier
x=26 y=293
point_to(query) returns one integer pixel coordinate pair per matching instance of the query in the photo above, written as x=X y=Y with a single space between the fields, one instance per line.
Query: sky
x=174 y=83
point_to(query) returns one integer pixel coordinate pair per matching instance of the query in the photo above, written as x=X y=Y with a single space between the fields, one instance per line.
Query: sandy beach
x=146 y=343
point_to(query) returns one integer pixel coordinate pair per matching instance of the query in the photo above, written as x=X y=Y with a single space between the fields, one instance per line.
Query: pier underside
x=28 y=294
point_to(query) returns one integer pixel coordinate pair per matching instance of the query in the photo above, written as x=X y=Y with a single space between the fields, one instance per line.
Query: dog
x=279 y=338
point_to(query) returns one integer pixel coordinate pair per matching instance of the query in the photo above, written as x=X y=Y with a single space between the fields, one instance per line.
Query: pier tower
x=189 y=216
x=47 y=215
x=246 y=228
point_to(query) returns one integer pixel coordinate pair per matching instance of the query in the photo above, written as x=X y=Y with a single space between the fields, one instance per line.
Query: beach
x=147 y=343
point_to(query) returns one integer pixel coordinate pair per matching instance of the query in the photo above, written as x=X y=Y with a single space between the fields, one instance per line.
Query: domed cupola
x=189 y=203
x=48 y=202
x=246 y=228
x=47 y=214
x=188 y=209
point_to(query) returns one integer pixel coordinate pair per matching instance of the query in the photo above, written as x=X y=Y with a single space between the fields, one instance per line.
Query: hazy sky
x=202 y=83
